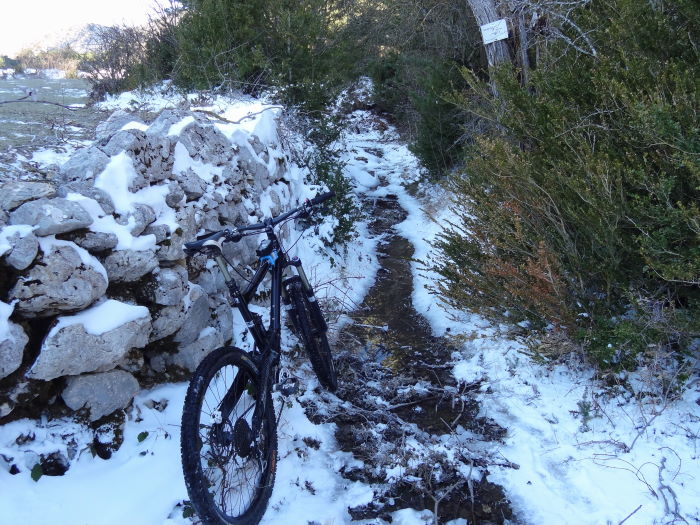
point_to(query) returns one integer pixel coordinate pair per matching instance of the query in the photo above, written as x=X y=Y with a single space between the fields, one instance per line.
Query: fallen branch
x=246 y=117
x=630 y=515
x=24 y=99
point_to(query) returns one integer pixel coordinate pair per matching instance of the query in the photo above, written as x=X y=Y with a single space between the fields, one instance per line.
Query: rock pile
x=96 y=293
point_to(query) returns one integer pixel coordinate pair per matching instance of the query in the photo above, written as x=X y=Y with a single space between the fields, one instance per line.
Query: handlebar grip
x=322 y=197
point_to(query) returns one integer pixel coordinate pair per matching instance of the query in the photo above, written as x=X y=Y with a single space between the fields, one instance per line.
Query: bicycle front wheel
x=228 y=471
x=311 y=328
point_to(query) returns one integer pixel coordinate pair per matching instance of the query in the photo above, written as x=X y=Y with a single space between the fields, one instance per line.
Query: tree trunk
x=523 y=44
x=485 y=12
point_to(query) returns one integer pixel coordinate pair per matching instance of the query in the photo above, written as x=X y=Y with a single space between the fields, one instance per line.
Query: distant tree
x=113 y=52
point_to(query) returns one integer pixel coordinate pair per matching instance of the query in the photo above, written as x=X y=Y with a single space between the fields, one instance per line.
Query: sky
x=24 y=23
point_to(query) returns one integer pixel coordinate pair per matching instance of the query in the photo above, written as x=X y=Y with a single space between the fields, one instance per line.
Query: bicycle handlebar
x=237 y=233
x=322 y=197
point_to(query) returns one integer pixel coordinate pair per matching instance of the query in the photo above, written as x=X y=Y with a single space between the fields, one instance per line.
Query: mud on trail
x=416 y=431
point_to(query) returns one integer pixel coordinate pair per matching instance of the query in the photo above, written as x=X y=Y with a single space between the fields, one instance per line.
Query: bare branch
x=24 y=100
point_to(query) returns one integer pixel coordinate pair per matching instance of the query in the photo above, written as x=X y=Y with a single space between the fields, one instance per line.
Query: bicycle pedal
x=288 y=387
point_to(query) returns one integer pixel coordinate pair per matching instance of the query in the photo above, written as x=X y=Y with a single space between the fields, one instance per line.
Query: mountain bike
x=229 y=428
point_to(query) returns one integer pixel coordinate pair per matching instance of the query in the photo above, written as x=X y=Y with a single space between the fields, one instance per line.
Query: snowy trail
x=586 y=454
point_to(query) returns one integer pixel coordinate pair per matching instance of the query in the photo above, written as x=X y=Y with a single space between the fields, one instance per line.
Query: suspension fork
x=315 y=310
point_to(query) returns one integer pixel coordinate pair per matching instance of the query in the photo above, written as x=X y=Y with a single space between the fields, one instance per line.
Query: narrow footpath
x=415 y=430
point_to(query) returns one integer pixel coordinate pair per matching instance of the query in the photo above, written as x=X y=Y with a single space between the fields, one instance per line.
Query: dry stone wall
x=96 y=298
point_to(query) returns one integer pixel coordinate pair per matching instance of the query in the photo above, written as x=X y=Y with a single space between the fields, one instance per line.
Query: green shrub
x=415 y=91
x=584 y=190
x=300 y=48
x=327 y=168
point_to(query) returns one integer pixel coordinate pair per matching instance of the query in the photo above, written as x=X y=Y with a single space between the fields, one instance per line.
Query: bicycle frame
x=267 y=341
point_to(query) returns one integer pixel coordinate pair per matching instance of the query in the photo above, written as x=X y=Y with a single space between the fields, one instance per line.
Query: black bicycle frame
x=267 y=341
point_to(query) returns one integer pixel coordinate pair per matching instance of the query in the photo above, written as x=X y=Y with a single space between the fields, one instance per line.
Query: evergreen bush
x=584 y=191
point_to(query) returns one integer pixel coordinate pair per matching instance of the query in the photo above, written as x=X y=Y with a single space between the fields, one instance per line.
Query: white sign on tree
x=494 y=31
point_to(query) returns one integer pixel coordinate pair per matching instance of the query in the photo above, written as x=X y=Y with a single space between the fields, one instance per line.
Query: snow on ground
x=585 y=455
x=583 y=458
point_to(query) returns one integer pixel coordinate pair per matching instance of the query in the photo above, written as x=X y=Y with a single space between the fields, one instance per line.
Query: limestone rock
x=96 y=241
x=51 y=216
x=86 y=189
x=206 y=143
x=125 y=140
x=160 y=231
x=224 y=320
x=102 y=393
x=59 y=282
x=168 y=117
x=12 y=350
x=190 y=355
x=175 y=196
x=231 y=213
x=16 y=193
x=24 y=250
x=232 y=175
x=191 y=184
x=71 y=350
x=150 y=153
x=254 y=169
x=143 y=216
x=115 y=123
x=171 y=286
x=85 y=165
x=171 y=250
x=258 y=147
x=167 y=321
x=129 y=265
x=197 y=316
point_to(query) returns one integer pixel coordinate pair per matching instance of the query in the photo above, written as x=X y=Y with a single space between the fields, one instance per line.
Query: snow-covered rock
x=171 y=249
x=23 y=251
x=122 y=210
x=191 y=184
x=171 y=286
x=12 y=349
x=151 y=155
x=94 y=340
x=91 y=192
x=12 y=342
x=64 y=280
x=204 y=143
x=85 y=165
x=116 y=122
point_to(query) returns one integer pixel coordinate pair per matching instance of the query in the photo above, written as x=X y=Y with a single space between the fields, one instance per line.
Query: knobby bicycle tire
x=229 y=477
x=312 y=330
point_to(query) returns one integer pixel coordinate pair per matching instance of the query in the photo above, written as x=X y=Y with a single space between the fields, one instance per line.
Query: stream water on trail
x=389 y=330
